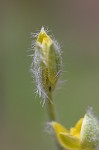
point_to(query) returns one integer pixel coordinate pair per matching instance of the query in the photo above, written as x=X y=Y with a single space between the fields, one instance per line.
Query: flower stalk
x=50 y=107
x=52 y=116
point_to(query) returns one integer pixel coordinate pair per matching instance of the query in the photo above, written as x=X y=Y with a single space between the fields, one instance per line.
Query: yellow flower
x=47 y=63
x=84 y=136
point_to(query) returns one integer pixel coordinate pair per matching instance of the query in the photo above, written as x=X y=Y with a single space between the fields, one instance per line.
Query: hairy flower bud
x=46 y=63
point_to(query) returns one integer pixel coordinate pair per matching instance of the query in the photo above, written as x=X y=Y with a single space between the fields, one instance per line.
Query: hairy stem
x=52 y=115
x=50 y=108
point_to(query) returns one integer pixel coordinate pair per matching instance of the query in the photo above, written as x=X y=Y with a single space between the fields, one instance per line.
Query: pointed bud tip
x=42 y=30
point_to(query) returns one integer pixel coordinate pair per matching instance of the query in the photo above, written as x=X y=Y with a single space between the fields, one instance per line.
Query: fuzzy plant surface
x=47 y=64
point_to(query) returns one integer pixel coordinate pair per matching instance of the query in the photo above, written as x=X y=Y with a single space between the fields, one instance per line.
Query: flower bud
x=46 y=63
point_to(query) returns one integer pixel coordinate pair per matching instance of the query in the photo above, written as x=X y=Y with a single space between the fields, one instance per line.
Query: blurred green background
x=75 y=25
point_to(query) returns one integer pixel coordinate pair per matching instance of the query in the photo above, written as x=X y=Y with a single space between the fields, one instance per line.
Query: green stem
x=52 y=116
x=50 y=108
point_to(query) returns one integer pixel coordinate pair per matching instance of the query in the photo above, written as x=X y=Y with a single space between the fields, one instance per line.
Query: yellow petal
x=69 y=142
x=64 y=138
x=43 y=38
x=59 y=128
x=77 y=129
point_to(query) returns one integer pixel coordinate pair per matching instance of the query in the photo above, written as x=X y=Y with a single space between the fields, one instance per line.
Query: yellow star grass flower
x=47 y=63
x=84 y=136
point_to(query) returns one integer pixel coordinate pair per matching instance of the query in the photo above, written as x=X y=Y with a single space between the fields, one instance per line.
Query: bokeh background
x=75 y=25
